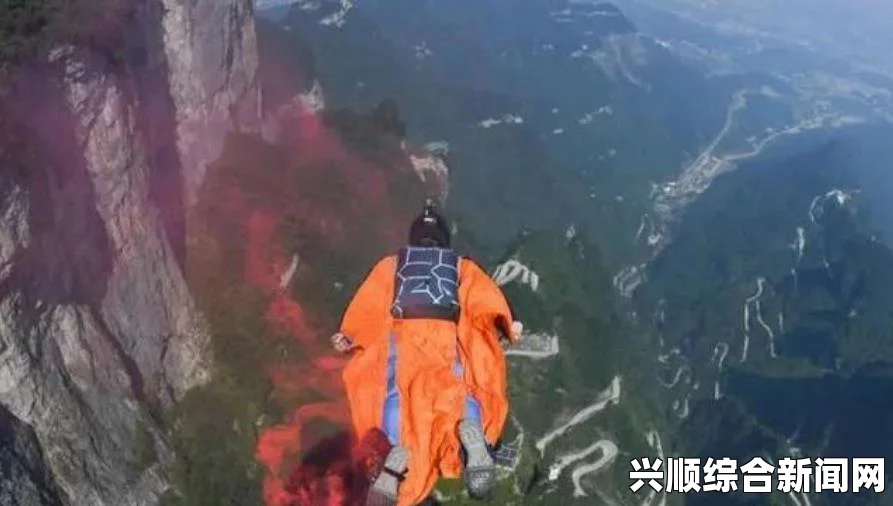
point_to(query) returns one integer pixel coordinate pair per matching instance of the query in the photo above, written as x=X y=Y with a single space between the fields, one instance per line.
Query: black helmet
x=429 y=229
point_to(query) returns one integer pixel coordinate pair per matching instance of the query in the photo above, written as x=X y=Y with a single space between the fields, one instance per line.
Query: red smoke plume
x=329 y=476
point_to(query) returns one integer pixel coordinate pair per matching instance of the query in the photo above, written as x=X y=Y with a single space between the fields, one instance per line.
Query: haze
x=859 y=30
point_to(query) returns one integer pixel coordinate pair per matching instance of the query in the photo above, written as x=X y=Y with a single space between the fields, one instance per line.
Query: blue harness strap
x=391 y=415
x=472 y=406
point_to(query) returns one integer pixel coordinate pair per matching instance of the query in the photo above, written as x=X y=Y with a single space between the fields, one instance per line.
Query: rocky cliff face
x=23 y=476
x=211 y=50
x=98 y=332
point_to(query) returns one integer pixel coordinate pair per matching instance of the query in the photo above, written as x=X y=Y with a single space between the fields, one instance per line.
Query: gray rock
x=97 y=328
x=14 y=234
x=98 y=331
x=146 y=301
x=211 y=49
x=24 y=479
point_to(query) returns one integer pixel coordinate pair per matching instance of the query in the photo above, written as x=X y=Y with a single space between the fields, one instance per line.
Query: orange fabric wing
x=484 y=312
x=367 y=320
x=484 y=303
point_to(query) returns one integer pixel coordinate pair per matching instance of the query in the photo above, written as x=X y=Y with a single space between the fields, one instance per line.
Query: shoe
x=384 y=490
x=480 y=470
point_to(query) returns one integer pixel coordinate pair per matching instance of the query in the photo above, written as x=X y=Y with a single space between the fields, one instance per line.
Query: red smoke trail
x=336 y=223
x=265 y=263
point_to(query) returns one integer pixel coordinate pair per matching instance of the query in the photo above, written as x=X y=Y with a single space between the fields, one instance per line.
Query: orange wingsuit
x=433 y=396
